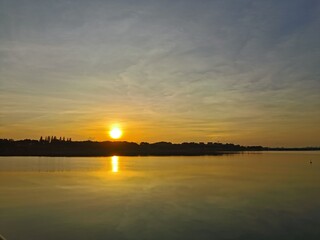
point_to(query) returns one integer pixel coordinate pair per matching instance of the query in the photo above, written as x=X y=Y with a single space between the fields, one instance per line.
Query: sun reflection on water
x=115 y=164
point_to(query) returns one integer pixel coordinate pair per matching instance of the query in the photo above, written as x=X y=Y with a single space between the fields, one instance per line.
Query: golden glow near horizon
x=115 y=164
x=115 y=132
x=209 y=90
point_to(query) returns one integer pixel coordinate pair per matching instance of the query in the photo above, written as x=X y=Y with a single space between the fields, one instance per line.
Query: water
x=273 y=195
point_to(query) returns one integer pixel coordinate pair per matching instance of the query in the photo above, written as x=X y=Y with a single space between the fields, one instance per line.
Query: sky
x=244 y=72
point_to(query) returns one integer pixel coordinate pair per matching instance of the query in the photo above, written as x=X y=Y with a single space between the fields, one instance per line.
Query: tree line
x=51 y=139
x=54 y=146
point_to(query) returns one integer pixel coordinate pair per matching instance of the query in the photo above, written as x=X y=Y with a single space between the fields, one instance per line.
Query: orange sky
x=165 y=71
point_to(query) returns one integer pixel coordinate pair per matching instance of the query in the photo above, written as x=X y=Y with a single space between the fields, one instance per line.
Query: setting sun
x=115 y=133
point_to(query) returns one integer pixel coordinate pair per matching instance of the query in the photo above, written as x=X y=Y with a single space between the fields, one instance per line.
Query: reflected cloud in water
x=178 y=197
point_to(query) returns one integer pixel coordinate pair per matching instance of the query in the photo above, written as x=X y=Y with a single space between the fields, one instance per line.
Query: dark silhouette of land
x=52 y=146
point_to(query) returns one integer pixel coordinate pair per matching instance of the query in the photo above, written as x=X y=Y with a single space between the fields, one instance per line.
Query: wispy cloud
x=228 y=70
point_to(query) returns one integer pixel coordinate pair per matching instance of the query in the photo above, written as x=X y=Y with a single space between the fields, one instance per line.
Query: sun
x=115 y=132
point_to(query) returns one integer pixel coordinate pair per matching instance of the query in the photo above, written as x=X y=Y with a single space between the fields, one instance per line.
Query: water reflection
x=115 y=164
x=273 y=195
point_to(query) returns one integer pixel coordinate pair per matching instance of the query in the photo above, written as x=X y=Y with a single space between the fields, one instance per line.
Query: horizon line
x=185 y=142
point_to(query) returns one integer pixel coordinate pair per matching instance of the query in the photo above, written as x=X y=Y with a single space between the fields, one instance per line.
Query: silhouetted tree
x=51 y=146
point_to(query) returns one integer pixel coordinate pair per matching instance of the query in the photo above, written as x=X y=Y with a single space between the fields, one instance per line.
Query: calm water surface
x=274 y=195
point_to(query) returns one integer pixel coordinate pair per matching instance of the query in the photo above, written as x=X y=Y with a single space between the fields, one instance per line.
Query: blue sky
x=231 y=71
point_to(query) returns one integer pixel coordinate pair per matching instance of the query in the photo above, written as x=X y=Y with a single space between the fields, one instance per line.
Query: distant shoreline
x=158 y=155
x=53 y=147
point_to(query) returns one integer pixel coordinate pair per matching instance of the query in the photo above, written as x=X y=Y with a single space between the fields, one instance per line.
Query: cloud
x=242 y=63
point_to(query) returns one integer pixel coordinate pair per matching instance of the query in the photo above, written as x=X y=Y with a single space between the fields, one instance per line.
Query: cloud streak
x=208 y=70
